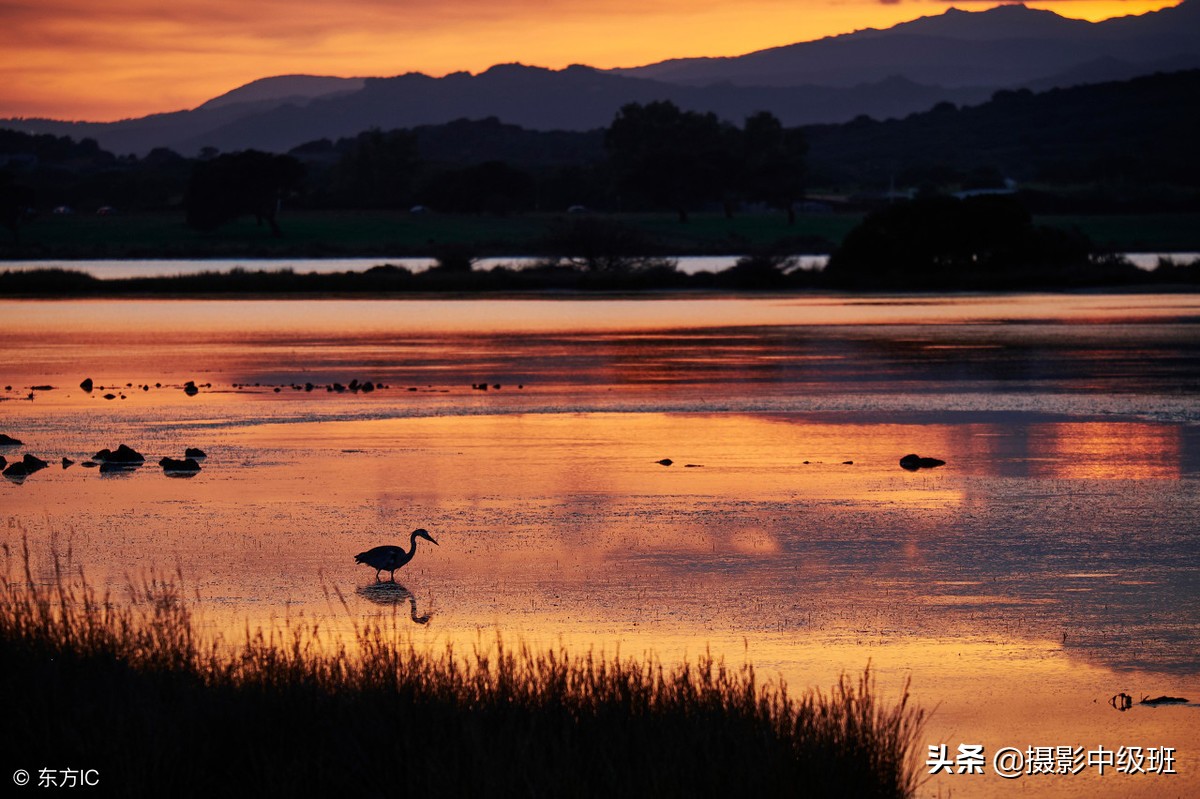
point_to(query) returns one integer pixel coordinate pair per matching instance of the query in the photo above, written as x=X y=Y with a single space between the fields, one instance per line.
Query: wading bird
x=389 y=558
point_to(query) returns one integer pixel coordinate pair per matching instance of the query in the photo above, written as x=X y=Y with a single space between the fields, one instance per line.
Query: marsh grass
x=132 y=689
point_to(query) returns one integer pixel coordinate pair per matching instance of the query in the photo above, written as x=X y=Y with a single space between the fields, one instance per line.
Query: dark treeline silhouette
x=228 y=186
x=1121 y=146
x=654 y=156
x=981 y=242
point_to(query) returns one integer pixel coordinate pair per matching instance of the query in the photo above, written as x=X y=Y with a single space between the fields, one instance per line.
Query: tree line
x=652 y=157
x=1120 y=146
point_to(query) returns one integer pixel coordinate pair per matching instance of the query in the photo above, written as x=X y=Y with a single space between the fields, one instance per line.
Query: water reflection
x=1062 y=525
x=393 y=594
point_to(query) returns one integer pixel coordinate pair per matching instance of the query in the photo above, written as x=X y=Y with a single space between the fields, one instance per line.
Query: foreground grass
x=396 y=234
x=133 y=691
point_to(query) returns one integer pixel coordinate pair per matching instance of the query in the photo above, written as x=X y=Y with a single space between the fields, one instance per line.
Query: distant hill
x=576 y=98
x=959 y=57
x=1135 y=135
x=1004 y=46
x=267 y=92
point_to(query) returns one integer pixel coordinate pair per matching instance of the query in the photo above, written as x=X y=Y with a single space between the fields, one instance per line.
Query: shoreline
x=561 y=283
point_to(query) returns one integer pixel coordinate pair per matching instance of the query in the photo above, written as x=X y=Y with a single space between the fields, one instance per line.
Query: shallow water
x=1050 y=564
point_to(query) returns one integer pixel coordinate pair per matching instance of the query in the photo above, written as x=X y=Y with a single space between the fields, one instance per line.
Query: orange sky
x=80 y=59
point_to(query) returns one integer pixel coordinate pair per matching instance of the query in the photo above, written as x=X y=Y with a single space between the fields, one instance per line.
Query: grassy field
x=132 y=690
x=395 y=234
x=1135 y=233
x=316 y=234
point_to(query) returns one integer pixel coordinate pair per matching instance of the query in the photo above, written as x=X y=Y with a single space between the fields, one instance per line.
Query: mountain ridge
x=961 y=57
x=1030 y=42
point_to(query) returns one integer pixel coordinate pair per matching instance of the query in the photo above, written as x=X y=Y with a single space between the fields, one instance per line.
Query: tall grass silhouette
x=132 y=689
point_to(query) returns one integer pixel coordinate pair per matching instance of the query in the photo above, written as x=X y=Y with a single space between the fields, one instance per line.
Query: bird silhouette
x=388 y=558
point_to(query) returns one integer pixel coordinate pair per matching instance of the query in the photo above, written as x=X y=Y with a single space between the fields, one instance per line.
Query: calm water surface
x=165 y=267
x=1052 y=563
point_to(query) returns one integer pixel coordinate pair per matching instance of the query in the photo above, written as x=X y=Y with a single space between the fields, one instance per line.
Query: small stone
x=32 y=463
x=122 y=454
x=176 y=465
x=912 y=462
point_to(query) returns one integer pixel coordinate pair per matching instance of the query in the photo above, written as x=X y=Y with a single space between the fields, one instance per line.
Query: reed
x=132 y=689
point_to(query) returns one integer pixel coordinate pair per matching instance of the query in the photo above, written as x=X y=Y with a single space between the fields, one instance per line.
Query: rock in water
x=176 y=465
x=122 y=454
x=194 y=452
x=87 y=384
x=9 y=441
x=913 y=462
x=33 y=464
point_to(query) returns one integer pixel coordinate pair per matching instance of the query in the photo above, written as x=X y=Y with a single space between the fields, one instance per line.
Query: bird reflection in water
x=389 y=593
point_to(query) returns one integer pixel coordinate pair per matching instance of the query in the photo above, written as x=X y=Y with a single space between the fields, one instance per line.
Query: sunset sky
x=80 y=59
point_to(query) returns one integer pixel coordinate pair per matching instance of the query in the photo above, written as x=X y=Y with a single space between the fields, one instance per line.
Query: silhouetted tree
x=233 y=184
x=943 y=241
x=377 y=170
x=16 y=204
x=492 y=187
x=763 y=269
x=673 y=158
x=595 y=244
x=773 y=162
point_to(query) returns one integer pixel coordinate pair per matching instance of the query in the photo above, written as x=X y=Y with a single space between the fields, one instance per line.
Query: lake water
x=1053 y=562
x=189 y=266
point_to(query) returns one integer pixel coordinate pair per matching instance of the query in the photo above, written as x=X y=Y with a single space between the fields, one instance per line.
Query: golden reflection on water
x=1110 y=451
x=1048 y=565
x=298 y=318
